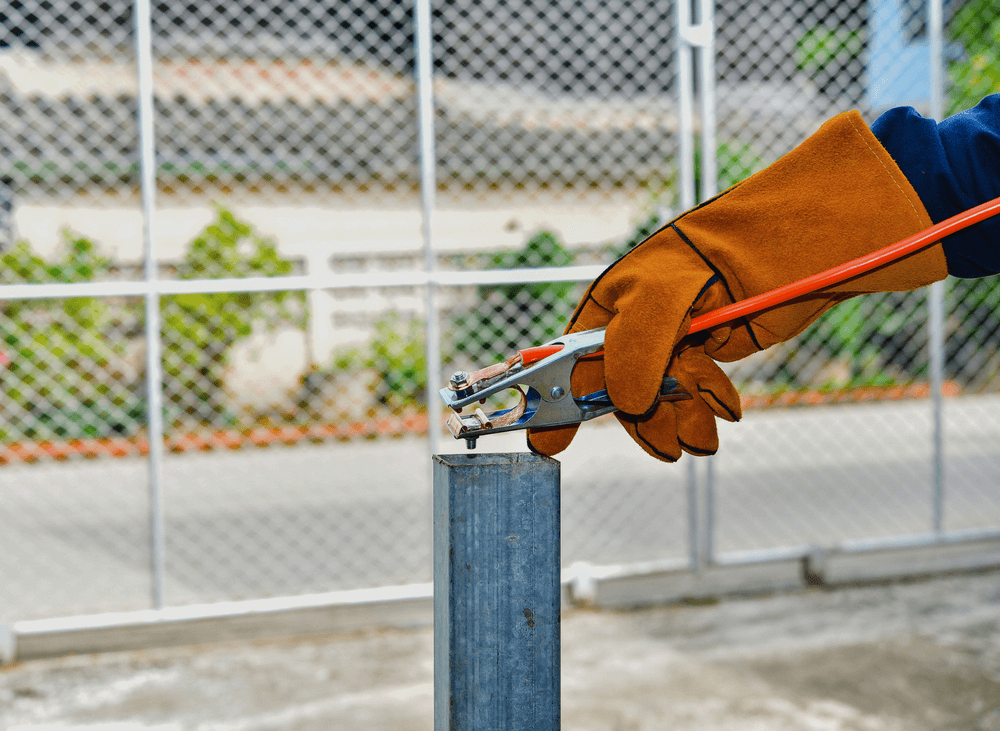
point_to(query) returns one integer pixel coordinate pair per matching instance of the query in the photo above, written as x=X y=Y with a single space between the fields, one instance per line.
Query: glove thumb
x=551 y=440
x=587 y=377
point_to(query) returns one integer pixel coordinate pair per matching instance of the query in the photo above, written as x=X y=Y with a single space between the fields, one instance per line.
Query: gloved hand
x=836 y=197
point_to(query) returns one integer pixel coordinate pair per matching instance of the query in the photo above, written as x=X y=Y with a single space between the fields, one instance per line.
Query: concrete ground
x=917 y=656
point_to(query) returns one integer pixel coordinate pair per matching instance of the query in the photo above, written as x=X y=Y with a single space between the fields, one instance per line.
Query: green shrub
x=833 y=58
x=200 y=330
x=976 y=26
x=513 y=316
x=399 y=359
x=736 y=161
x=973 y=332
x=642 y=231
x=822 y=47
x=67 y=375
x=60 y=381
x=879 y=339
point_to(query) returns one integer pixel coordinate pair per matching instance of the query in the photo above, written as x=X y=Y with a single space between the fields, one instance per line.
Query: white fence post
x=935 y=294
x=697 y=36
x=428 y=188
x=154 y=366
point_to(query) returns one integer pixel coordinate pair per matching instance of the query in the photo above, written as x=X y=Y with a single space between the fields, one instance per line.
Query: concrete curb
x=8 y=644
x=405 y=607
x=796 y=569
x=333 y=612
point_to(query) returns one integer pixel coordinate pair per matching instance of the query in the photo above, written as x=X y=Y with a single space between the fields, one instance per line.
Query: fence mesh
x=286 y=143
x=74 y=513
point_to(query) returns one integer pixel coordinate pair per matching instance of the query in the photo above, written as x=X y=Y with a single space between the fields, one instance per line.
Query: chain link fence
x=296 y=420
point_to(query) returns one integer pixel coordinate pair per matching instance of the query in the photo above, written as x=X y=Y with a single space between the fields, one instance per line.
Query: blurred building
x=295 y=65
x=308 y=103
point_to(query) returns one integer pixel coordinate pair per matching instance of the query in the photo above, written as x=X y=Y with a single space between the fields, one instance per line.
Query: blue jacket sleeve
x=953 y=166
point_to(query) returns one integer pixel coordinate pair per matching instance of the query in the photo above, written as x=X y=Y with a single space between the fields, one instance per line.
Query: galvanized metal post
x=496 y=592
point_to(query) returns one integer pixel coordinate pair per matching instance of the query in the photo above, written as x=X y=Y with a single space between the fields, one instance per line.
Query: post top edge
x=492 y=458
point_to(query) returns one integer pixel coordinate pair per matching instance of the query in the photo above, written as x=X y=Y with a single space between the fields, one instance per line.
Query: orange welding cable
x=853 y=268
x=838 y=274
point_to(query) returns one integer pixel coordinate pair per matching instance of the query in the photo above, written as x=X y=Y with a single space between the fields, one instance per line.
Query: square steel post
x=496 y=592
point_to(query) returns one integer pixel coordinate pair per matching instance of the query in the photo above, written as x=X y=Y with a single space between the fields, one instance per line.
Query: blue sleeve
x=953 y=166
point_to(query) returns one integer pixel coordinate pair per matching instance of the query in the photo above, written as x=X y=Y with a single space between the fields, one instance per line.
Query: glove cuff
x=836 y=197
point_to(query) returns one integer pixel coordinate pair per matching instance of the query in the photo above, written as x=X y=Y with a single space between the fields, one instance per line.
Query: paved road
x=74 y=536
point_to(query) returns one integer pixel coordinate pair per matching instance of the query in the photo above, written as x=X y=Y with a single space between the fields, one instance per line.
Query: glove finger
x=640 y=340
x=656 y=433
x=636 y=357
x=702 y=377
x=587 y=377
x=647 y=307
x=697 y=432
x=713 y=396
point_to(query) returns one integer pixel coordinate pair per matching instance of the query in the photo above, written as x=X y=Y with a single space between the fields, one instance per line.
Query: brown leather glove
x=836 y=197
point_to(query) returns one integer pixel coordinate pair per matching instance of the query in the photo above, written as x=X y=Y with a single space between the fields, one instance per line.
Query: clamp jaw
x=542 y=376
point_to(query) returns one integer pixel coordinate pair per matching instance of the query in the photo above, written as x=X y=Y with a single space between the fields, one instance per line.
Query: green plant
x=736 y=162
x=822 y=47
x=399 y=359
x=976 y=25
x=833 y=59
x=200 y=330
x=511 y=316
x=61 y=380
x=973 y=332
x=878 y=340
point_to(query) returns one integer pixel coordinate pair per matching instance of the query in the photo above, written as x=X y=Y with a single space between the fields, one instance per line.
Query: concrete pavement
x=919 y=656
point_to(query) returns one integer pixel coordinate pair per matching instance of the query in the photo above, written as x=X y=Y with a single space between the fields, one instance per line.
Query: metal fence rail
x=275 y=230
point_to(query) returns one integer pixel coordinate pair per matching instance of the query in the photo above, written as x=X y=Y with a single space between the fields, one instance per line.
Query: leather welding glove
x=836 y=197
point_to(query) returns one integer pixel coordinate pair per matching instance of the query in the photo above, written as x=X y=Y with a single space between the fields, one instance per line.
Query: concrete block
x=665 y=587
x=8 y=644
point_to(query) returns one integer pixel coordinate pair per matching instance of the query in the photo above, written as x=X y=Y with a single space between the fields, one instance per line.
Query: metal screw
x=557 y=392
x=459 y=379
